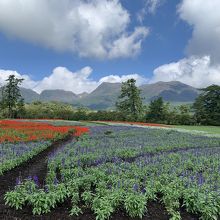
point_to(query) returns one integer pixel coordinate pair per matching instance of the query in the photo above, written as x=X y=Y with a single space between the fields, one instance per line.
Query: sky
x=76 y=45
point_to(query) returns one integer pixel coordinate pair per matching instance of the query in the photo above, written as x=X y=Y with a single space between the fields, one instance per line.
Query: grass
x=207 y=129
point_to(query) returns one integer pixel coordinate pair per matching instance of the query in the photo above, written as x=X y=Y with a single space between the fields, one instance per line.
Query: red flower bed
x=138 y=123
x=14 y=131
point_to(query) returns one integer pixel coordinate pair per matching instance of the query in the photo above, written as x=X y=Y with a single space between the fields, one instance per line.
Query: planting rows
x=122 y=169
x=20 y=141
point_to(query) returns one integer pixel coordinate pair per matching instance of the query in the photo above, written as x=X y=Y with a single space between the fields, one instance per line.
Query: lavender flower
x=46 y=189
x=29 y=178
x=18 y=181
x=36 y=180
x=135 y=187
x=55 y=181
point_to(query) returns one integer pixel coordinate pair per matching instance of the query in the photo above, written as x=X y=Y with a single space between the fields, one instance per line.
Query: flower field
x=21 y=140
x=22 y=131
x=122 y=169
x=136 y=123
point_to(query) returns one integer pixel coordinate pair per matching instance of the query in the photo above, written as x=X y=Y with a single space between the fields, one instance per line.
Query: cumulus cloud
x=201 y=67
x=129 y=44
x=95 y=28
x=194 y=71
x=27 y=83
x=204 y=17
x=62 y=78
x=119 y=79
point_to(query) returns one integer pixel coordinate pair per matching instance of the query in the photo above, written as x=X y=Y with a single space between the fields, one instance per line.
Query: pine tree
x=207 y=106
x=157 y=111
x=11 y=96
x=130 y=102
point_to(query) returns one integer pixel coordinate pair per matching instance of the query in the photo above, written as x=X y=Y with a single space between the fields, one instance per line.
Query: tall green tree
x=157 y=111
x=11 y=96
x=130 y=102
x=207 y=106
x=185 y=117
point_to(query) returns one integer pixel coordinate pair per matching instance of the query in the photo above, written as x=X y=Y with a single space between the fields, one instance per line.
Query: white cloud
x=150 y=7
x=204 y=17
x=62 y=78
x=194 y=71
x=201 y=67
x=129 y=44
x=27 y=83
x=91 y=28
x=119 y=79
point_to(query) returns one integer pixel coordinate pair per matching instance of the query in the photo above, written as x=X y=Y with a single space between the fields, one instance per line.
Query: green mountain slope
x=106 y=94
x=173 y=91
x=58 y=95
x=103 y=97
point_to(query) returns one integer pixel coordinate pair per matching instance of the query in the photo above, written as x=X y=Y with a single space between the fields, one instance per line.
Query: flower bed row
x=23 y=131
x=113 y=169
x=136 y=123
x=21 y=140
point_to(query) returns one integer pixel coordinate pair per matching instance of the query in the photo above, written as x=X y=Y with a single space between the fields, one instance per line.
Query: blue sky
x=164 y=46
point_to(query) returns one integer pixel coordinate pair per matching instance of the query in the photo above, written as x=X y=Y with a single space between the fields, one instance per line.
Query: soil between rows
x=38 y=166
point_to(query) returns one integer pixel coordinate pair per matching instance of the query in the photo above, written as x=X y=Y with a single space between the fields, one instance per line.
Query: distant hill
x=83 y=95
x=103 y=97
x=58 y=95
x=173 y=91
x=106 y=94
x=29 y=95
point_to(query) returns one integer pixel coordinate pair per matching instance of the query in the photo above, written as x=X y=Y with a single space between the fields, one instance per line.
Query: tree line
x=129 y=107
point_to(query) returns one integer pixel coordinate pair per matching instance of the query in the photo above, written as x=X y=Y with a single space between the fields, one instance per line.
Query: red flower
x=14 y=131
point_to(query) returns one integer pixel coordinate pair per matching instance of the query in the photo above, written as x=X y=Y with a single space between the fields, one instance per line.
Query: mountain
x=173 y=91
x=82 y=95
x=106 y=94
x=29 y=95
x=58 y=95
x=103 y=97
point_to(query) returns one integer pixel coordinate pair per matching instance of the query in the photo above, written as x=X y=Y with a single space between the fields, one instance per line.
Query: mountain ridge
x=106 y=94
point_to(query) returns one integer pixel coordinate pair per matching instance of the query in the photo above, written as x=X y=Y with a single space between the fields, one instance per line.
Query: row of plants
x=113 y=169
x=20 y=141
x=22 y=131
x=12 y=155
x=126 y=144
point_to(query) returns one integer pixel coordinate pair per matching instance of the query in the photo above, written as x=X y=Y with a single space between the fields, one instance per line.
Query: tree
x=50 y=110
x=184 y=117
x=130 y=102
x=157 y=111
x=11 y=96
x=207 y=106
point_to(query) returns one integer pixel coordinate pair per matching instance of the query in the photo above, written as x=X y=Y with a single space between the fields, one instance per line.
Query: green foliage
x=157 y=111
x=102 y=207
x=135 y=204
x=207 y=106
x=108 y=175
x=160 y=112
x=15 y=199
x=130 y=101
x=12 y=100
x=75 y=211
x=49 y=110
